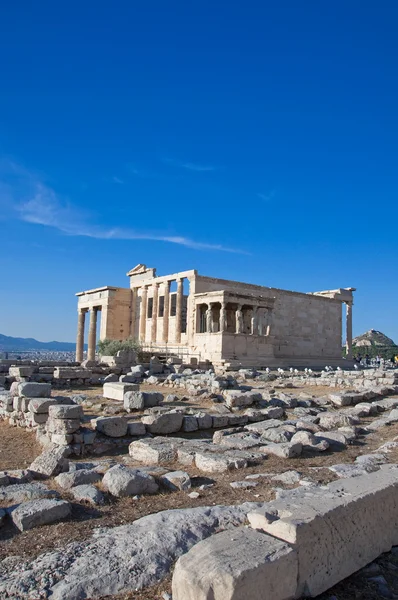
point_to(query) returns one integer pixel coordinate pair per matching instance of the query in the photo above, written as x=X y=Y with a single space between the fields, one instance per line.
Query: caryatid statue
x=239 y=319
x=223 y=317
x=209 y=320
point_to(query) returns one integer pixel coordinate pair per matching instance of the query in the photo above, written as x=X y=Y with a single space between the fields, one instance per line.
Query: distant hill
x=372 y=338
x=14 y=344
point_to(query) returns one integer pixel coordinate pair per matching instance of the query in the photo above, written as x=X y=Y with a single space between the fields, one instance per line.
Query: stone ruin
x=296 y=545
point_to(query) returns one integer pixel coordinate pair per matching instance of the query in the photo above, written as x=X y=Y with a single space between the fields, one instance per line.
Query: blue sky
x=254 y=141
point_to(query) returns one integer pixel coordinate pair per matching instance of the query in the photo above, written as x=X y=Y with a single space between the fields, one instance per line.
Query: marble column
x=239 y=319
x=179 y=301
x=80 y=335
x=133 y=312
x=155 y=309
x=166 y=311
x=255 y=321
x=143 y=311
x=348 y=321
x=92 y=334
x=223 y=317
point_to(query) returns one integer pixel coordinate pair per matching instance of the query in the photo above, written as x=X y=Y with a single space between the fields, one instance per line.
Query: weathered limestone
x=51 y=461
x=338 y=532
x=176 y=480
x=112 y=426
x=40 y=512
x=122 y=481
x=116 y=390
x=163 y=423
x=34 y=390
x=135 y=400
x=156 y=451
x=88 y=493
x=65 y=411
x=23 y=492
x=136 y=428
x=236 y=565
x=79 y=477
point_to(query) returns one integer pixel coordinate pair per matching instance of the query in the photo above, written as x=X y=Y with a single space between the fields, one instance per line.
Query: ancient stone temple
x=226 y=322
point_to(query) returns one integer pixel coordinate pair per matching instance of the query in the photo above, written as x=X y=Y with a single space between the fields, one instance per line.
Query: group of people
x=377 y=361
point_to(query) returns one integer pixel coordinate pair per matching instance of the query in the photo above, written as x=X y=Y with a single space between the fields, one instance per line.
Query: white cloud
x=37 y=203
x=189 y=165
x=266 y=197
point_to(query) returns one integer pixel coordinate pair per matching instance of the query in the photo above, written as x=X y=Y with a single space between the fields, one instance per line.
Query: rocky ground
x=259 y=482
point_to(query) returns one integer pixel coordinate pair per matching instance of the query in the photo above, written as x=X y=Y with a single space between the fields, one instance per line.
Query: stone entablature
x=226 y=322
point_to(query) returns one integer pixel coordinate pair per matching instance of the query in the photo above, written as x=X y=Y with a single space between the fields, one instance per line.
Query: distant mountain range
x=15 y=344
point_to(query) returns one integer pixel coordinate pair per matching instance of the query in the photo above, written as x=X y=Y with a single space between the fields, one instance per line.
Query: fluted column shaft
x=166 y=311
x=80 y=335
x=155 y=308
x=133 y=310
x=179 y=311
x=92 y=334
x=143 y=311
x=349 y=329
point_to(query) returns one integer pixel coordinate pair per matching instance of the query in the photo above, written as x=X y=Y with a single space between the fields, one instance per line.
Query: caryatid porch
x=231 y=325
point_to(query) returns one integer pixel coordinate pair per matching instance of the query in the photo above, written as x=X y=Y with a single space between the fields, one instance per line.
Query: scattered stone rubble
x=253 y=415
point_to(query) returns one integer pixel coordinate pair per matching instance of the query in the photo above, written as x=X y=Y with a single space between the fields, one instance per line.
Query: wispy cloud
x=190 y=166
x=117 y=180
x=37 y=203
x=267 y=197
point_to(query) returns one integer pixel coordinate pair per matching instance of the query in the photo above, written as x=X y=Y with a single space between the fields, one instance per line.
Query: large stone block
x=163 y=423
x=40 y=512
x=112 y=426
x=71 y=373
x=34 y=390
x=122 y=481
x=237 y=398
x=66 y=411
x=116 y=390
x=62 y=426
x=236 y=565
x=42 y=405
x=154 y=451
x=23 y=492
x=79 y=477
x=51 y=461
x=335 y=531
x=23 y=371
x=135 y=400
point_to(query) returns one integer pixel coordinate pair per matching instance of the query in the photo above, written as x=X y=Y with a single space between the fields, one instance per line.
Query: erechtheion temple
x=225 y=322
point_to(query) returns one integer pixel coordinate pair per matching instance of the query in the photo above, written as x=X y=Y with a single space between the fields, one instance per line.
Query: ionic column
x=80 y=335
x=223 y=317
x=166 y=311
x=348 y=322
x=179 y=311
x=254 y=321
x=155 y=308
x=239 y=319
x=92 y=334
x=143 y=311
x=132 y=313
